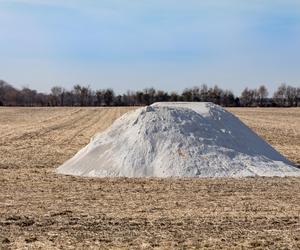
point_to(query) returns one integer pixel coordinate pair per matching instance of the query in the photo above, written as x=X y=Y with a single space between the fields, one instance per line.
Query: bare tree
x=246 y=97
x=174 y=97
x=280 y=95
x=108 y=97
x=77 y=94
x=8 y=94
x=228 y=99
x=80 y=95
x=59 y=94
x=262 y=94
x=100 y=97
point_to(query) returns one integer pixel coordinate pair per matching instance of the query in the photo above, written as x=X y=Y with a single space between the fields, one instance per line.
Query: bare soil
x=42 y=210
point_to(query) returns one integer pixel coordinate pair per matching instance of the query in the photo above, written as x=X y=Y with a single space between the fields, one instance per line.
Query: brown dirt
x=42 y=210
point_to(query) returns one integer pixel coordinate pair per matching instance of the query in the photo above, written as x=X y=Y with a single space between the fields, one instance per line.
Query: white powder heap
x=178 y=139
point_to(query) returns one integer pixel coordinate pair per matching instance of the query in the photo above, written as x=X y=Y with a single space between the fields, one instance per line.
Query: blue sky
x=132 y=44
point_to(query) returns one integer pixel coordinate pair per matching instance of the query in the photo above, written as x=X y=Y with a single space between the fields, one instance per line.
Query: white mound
x=178 y=139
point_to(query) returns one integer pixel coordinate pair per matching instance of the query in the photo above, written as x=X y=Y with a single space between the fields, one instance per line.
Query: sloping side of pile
x=178 y=139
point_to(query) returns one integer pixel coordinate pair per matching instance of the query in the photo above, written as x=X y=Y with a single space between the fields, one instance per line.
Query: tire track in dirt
x=94 y=121
x=32 y=123
x=55 y=137
x=40 y=131
x=97 y=122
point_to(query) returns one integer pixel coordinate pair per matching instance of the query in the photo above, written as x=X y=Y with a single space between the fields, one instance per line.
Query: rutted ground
x=41 y=209
x=45 y=137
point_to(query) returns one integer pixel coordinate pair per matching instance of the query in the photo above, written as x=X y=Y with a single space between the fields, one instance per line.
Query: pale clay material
x=179 y=140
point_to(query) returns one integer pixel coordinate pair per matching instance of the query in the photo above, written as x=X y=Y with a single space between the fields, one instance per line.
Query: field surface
x=42 y=210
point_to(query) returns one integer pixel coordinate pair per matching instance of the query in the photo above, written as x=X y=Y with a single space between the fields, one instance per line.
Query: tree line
x=80 y=95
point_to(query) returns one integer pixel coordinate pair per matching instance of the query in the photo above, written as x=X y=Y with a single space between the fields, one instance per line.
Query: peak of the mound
x=178 y=139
